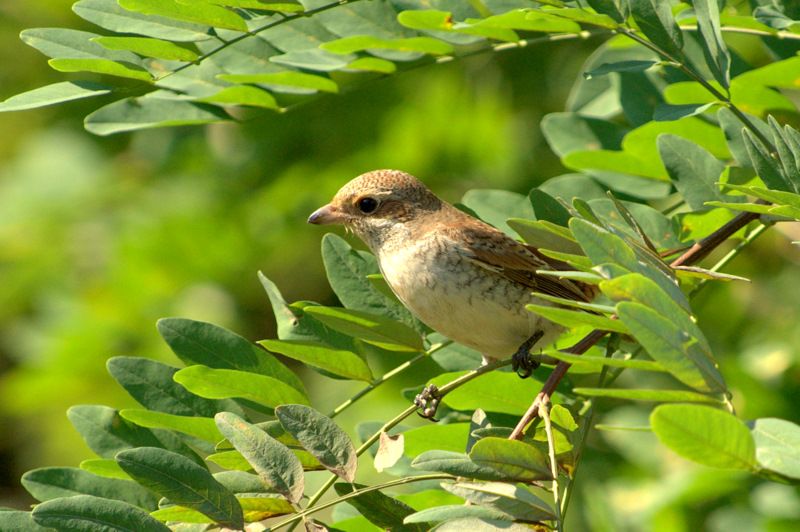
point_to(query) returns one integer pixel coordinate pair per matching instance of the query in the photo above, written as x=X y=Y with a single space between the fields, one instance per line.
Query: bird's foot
x=521 y=362
x=428 y=401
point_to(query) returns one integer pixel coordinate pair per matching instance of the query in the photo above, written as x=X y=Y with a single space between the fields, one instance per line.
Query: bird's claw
x=428 y=402
x=522 y=363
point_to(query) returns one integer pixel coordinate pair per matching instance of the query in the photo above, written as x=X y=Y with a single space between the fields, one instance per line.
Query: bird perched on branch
x=459 y=275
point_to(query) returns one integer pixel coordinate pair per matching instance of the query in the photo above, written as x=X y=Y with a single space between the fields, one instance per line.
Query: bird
x=459 y=275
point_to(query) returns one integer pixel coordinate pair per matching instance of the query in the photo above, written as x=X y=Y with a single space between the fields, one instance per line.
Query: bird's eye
x=367 y=205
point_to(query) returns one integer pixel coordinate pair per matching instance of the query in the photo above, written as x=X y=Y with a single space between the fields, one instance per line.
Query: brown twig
x=694 y=254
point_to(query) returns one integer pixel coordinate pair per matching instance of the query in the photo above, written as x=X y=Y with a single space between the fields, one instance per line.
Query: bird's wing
x=495 y=251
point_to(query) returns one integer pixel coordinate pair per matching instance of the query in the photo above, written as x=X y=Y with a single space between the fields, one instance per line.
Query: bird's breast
x=459 y=299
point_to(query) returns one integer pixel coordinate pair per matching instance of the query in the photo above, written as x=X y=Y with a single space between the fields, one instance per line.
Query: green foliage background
x=99 y=237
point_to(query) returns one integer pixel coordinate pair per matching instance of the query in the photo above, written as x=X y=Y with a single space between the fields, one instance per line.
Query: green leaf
x=605 y=248
x=104 y=467
x=782 y=74
x=494 y=392
x=226 y=383
x=585 y=16
x=254 y=508
x=64 y=91
x=495 y=207
x=568 y=132
x=383 y=332
x=359 y=43
x=337 y=361
x=106 y=433
x=457 y=464
x=451 y=512
x=243 y=95
x=110 y=15
x=705 y=435
x=53 y=482
x=197 y=342
x=101 y=66
x=509 y=499
x=273 y=461
x=241 y=482
x=516 y=460
x=294 y=324
x=574 y=318
x=790 y=163
x=540 y=234
x=19 y=521
x=751 y=98
x=665 y=112
x=716 y=53
x=613 y=8
x=347 y=271
x=180 y=514
x=546 y=207
x=148 y=47
x=693 y=170
x=641 y=394
x=597 y=363
x=767 y=168
x=638 y=222
x=232 y=460
x=199 y=427
x=151 y=384
x=62 y=43
x=655 y=20
x=632 y=65
x=320 y=436
x=528 y=20
x=683 y=355
x=182 y=482
x=197 y=12
x=778 y=446
x=150 y=111
x=286 y=78
x=381 y=510
x=372 y=64
x=450 y=437
x=85 y=513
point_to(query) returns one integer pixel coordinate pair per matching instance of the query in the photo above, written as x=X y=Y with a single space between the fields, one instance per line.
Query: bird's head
x=377 y=204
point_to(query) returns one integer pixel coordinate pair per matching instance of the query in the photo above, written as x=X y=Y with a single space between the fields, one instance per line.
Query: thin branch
x=551 y=448
x=356 y=493
x=444 y=390
x=252 y=33
x=681 y=65
x=385 y=377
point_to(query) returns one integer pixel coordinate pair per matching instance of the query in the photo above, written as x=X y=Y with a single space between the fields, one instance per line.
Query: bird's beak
x=325 y=215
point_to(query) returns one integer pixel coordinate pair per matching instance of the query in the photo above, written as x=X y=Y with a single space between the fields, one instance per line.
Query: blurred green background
x=100 y=237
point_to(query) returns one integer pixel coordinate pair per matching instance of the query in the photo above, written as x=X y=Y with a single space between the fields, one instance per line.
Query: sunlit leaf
x=337 y=361
x=198 y=12
x=705 y=435
x=778 y=446
x=64 y=91
x=516 y=460
x=226 y=383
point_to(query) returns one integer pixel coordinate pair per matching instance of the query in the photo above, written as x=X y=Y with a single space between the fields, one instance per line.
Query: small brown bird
x=459 y=275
